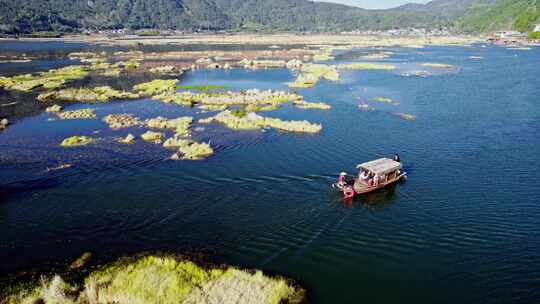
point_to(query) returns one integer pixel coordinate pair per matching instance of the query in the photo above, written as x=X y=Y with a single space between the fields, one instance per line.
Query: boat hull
x=372 y=189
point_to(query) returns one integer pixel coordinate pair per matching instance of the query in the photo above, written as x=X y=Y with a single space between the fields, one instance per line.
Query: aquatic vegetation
x=89 y=57
x=364 y=107
x=76 y=141
x=122 y=121
x=204 y=61
x=437 y=65
x=294 y=64
x=262 y=64
x=155 y=87
x=54 y=108
x=126 y=65
x=258 y=108
x=377 y=56
x=165 y=280
x=81 y=261
x=193 y=151
x=176 y=142
x=129 y=54
x=385 y=100
x=302 y=104
x=417 y=74
x=166 y=70
x=59 y=167
x=252 y=121
x=239 y=113
x=152 y=136
x=324 y=55
x=111 y=73
x=180 y=125
x=180 y=98
x=212 y=107
x=203 y=87
x=405 y=116
x=366 y=66
x=129 y=139
x=90 y=95
x=51 y=79
x=77 y=114
x=254 y=99
x=310 y=74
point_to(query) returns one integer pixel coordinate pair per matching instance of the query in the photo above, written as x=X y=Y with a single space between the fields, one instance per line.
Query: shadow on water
x=376 y=201
x=21 y=187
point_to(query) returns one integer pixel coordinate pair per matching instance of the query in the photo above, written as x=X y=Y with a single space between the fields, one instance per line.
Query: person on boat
x=370 y=179
x=342 y=179
x=376 y=180
x=364 y=175
x=396 y=158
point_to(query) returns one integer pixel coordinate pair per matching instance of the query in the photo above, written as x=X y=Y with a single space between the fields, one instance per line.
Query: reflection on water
x=462 y=228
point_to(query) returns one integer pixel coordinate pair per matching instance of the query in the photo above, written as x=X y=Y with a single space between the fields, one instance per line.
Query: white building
x=537 y=28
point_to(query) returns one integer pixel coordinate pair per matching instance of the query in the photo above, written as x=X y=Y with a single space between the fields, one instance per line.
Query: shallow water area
x=462 y=228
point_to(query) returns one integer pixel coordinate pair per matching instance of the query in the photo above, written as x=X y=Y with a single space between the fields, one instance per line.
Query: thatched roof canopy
x=380 y=166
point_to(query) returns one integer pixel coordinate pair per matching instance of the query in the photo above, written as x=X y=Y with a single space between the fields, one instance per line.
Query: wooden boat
x=387 y=171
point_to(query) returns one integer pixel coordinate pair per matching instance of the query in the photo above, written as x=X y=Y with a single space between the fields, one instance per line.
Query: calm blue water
x=465 y=226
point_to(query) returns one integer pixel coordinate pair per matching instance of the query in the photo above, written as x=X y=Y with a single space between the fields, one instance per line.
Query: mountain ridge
x=27 y=16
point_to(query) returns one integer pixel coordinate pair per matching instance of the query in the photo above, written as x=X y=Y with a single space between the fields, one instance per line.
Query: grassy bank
x=159 y=279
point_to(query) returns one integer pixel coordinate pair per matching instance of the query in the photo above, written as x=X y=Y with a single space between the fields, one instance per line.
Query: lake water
x=464 y=227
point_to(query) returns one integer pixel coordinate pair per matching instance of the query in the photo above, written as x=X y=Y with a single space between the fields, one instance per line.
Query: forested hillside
x=26 y=16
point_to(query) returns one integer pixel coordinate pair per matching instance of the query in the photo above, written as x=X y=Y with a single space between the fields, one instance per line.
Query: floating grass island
x=77 y=114
x=252 y=121
x=157 y=86
x=51 y=79
x=156 y=279
x=311 y=74
x=366 y=66
x=76 y=141
x=88 y=95
x=122 y=121
x=385 y=100
x=405 y=116
x=437 y=65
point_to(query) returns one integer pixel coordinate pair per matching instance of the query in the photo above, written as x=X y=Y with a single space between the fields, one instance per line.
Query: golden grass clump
x=310 y=74
x=302 y=104
x=51 y=79
x=253 y=121
x=77 y=114
x=152 y=136
x=76 y=141
x=89 y=95
x=164 y=280
x=180 y=125
x=437 y=65
x=156 y=87
x=366 y=66
x=122 y=121
x=190 y=150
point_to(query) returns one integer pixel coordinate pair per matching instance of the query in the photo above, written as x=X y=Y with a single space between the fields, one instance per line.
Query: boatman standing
x=396 y=158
